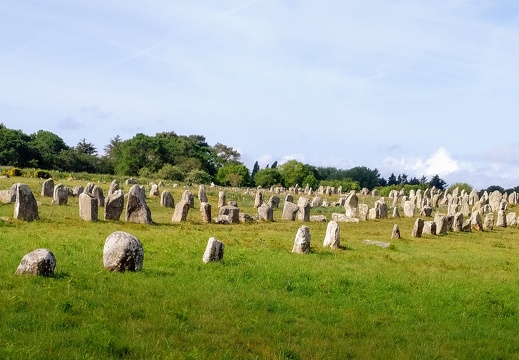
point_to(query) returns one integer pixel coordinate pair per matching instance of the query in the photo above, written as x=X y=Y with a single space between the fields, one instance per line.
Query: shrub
x=14 y=172
x=41 y=174
x=198 y=177
x=170 y=172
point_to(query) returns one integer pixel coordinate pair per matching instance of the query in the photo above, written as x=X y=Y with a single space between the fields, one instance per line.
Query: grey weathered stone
x=475 y=221
x=88 y=207
x=511 y=219
x=38 y=262
x=232 y=203
x=332 y=238
x=114 y=205
x=409 y=208
x=395 y=234
x=303 y=214
x=154 y=190
x=60 y=195
x=501 y=219
x=8 y=196
x=114 y=186
x=137 y=211
x=77 y=190
x=97 y=192
x=205 y=212
x=289 y=198
x=166 y=199
x=213 y=251
x=123 y=252
x=25 y=206
x=274 y=202
x=202 y=194
x=418 y=228
x=47 y=188
x=457 y=224
x=289 y=211
x=258 y=200
x=316 y=201
x=181 y=211
x=221 y=199
x=232 y=212
x=343 y=218
x=188 y=197
x=245 y=218
x=396 y=213
x=131 y=181
x=265 y=212
x=429 y=227
x=302 y=240
x=317 y=218
x=426 y=211
x=441 y=223
x=381 y=244
x=488 y=223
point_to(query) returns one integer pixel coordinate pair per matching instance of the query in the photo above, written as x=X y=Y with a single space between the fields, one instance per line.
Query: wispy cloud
x=69 y=123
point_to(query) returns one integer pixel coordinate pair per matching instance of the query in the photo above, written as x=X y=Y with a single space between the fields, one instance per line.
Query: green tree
x=437 y=182
x=294 y=172
x=267 y=177
x=255 y=169
x=171 y=172
x=85 y=147
x=366 y=177
x=15 y=149
x=226 y=153
x=233 y=174
x=48 y=146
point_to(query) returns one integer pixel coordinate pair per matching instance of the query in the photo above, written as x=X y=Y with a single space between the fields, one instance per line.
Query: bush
x=41 y=174
x=14 y=172
x=170 y=172
x=198 y=177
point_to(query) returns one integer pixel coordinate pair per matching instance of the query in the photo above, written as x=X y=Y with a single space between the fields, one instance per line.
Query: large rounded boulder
x=122 y=251
x=38 y=262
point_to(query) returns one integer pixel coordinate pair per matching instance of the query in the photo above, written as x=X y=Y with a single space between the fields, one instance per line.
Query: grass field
x=437 y=297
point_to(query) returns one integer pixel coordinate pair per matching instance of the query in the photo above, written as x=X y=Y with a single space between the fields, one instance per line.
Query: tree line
x=190 y=159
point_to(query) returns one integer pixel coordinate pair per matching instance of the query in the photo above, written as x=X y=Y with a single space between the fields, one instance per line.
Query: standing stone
x=441 y=224
x=154 y=190
x=265 y=212
x=396 y=214
x=511 y=219
x=88 y=207
x=202 y=194
x=274 y=202
x=457 y=224
x=188 y=197
x=229 y=214
x=418 y=228
x=47 y=188
x=38 y=262
x=333 y=235
x=205 y=212
x=114 y=186
x=8 y=196
x=221 y=199
x=114 y=205
x=137 y=211
x=409 y=208
x=289 y=211
x=302 y=241
x=60 y=195
x=363 y=210
x=476 y=223
x=77 y=190
x=426 y=211
x=131 y=181
x=488 y=223
x=213 y=251
x=289 y=198
x=181 y=211
x=429 y=227
x=258 y=200
x=25 y=206
x=166 y=199
x=123 y=251
x=303 y=214
x=501 y=219
x=395 y=235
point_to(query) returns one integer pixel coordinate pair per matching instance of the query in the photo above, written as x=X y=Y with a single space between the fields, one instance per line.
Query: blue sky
x=404 y=86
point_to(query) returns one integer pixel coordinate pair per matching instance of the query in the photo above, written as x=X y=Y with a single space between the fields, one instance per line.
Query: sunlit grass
x=436 y=297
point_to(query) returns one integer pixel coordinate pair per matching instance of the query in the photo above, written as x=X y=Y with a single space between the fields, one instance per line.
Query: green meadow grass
x=437 y=297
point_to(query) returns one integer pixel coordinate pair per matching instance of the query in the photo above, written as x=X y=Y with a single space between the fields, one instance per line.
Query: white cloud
x=295 y=156
x=439 y=163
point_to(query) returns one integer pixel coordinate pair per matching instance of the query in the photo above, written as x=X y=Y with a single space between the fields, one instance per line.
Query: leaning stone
x=166 y=199
x=332 y=238
x=137 y=211
x=122 y=251
x=47 y=188
x=302 y=241
x=265 y=213
x=205 y=212
x=213 y=251
x=88 y=207
x=60 y=195
x=25 y=206
x=38 y=262
x=181 y=211
x=395 y=234
x=114 y=205
x=418 y=228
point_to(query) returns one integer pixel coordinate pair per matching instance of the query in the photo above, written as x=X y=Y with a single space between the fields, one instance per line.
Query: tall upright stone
x=205 y=212
x=47 y=188
x=418 y=228
x=114 y=205
x=441 y=223
x=154 y=190
x=488 y=222
x=188 y=197
x=88 y=207
x=289 y=211
x=476 y=224
x=332 y=237
x=395 y=234
x=457 y=224
x=258 y=200
x=501 y=219
x=114 y=186
x=97 y=192
x=302 y=241
x=409 y=208
x=166 y=199
x=202 y=194
x=137 y=211
x=274 y=202
x=181 y=211
x=60 y=196
x=25 y=206
x=303 y=214
x=221 y=199
x=213 y=251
